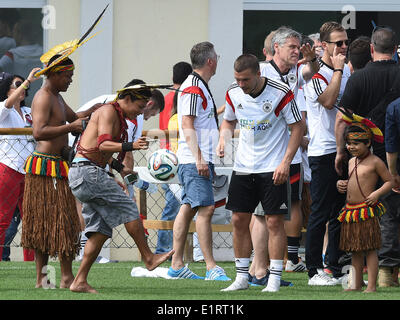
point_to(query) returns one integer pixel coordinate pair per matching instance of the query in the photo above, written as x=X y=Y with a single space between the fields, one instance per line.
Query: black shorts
x=246 y=191
x=296 y=181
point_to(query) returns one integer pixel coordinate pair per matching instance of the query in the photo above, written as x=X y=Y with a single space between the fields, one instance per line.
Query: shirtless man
x=50 y=223
x=104 y=203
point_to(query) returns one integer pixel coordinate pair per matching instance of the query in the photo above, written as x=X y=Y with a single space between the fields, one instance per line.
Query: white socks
x=242 y=270
x=274 y=281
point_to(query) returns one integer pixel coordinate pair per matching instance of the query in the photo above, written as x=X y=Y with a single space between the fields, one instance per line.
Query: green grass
x=114 y=282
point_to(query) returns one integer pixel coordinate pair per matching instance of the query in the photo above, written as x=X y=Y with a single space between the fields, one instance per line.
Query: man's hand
x=141 y=144
x=77 y=125
x=221 y=149
x=308 y=53
x=203 y=169
x=341 y=157
x=281 y=174
x=338 y=59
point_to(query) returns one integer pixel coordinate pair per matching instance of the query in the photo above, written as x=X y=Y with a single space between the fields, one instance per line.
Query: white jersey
x=14 y=149
x=293 y=78
x=263 y=122
x=321 y=121
x=196 y=100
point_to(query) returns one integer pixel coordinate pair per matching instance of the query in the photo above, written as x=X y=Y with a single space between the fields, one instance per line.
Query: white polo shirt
x=196 y=100
x=321 y=121
x=14 y=149
x=263 y=121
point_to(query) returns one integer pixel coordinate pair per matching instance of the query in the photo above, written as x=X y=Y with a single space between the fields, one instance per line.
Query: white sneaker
x=343 y=280
x=298 y=267
x=240 y=283
x=321 y=279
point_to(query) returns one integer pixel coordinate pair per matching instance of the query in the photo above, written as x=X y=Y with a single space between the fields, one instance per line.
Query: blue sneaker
x=249 y=278
x=260 y=282
x=183 y=273
x=217 y=273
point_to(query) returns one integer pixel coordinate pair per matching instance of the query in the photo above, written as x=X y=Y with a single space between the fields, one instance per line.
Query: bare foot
x=356 y=289
x=369 y=290
x=82 y=288
x=65 y=284
x=157 y=259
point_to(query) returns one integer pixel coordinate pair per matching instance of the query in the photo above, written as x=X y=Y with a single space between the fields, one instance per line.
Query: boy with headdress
x=50 y=224
x=360 y=230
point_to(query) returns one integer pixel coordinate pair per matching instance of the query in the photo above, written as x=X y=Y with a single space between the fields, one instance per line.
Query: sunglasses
x=17 y=84
x=340 y=42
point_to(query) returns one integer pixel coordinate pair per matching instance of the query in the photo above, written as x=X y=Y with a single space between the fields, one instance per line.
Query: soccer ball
x=163 y=164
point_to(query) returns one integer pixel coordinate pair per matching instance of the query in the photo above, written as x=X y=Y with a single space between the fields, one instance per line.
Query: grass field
x=114 y=282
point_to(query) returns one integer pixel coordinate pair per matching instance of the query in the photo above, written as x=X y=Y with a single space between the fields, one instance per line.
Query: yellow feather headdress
x=66 y=49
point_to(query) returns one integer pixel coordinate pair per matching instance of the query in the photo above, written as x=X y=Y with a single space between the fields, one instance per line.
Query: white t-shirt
x=294 y=79
x=263 y=123
x=14 y=149
x=135 y=127
x=321 y=121
x=197 y=101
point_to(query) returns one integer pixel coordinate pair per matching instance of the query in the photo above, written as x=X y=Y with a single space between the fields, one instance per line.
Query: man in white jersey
x=198 y=137
x=322 y=93
x=286 y=67
x=264 y=110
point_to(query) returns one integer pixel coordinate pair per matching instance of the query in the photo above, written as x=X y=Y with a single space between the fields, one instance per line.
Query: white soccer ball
x=163 y=164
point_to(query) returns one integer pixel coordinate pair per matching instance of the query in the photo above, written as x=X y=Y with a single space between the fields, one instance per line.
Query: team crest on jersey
x=291 y=78
x=267 y=107
x=240 y=106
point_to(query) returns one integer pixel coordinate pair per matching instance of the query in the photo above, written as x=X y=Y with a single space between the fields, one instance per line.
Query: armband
x=340 y=70
x=102 y=138
x=313 y=59
x=127 y=146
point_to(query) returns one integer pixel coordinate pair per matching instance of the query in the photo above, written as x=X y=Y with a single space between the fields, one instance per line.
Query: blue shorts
x=197 y=190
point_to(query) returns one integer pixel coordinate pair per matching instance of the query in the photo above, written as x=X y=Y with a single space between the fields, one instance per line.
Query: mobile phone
x=131 y=178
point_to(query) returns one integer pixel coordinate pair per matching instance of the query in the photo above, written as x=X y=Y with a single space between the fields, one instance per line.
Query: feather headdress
x=354 y=119
x=66 y=49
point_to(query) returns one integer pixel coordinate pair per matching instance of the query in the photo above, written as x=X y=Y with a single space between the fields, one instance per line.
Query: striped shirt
x=196 y=100
x=321 y=121
x=263 y=122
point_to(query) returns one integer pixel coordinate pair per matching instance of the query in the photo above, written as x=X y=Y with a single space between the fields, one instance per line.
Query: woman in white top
x=14 y=149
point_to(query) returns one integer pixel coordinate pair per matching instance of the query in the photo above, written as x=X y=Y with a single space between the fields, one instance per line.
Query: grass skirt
x=360 y=229
x=50 y=223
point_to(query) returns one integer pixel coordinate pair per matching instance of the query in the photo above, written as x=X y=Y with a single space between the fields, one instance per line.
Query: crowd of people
x=312 y=116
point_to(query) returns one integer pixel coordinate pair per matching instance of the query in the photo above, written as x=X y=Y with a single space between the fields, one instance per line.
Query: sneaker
x=249 y=278
x=218 y=274
x=183 y=273
x=321 y=279
x=341 y=280
x=298 y=267
x=240 y=283
x=263 y=281
x=260 y=282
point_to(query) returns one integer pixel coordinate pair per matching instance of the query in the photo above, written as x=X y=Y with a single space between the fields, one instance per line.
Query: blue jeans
x=10 y=234
x=325 y=207
x=171 y=209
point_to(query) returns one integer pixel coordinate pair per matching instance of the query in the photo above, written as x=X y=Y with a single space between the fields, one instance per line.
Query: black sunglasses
x=16 y=84
x=340 y=42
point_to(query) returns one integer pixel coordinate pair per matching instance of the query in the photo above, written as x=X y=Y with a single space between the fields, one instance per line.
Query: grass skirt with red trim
x=360 y=229
x=50 y=223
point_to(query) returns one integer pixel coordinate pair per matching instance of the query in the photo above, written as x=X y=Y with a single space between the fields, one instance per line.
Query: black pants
x=325 y=207
x=389 y=254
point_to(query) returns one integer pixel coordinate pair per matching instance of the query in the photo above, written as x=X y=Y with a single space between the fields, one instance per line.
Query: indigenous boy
x=104 y=203
x=50 y=223
x=360 y=230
